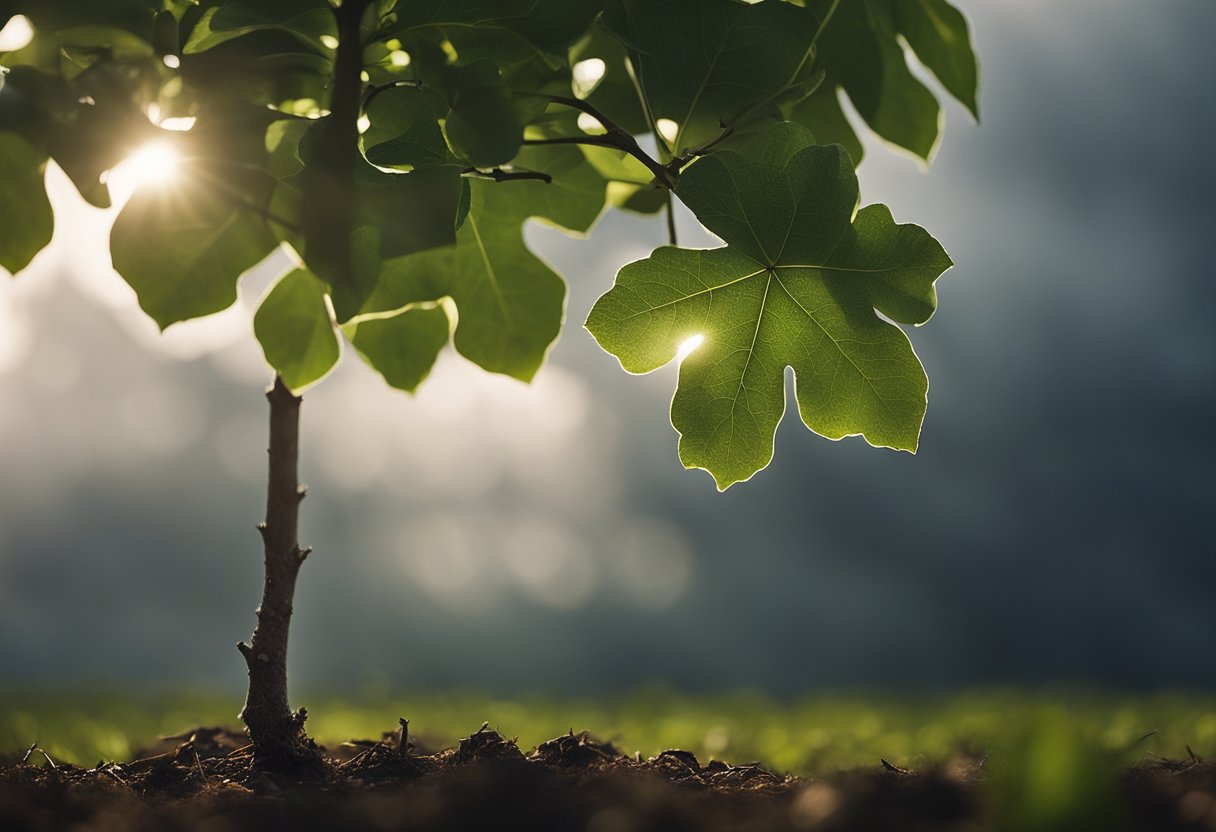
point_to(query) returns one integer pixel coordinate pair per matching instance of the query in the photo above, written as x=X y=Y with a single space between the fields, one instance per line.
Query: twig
x=199 y=763
x=372 y=92
x=894 y=769
x=616 y=137
x=671 y=220
x=403 y=747
x=500 y=175
x=28 y=752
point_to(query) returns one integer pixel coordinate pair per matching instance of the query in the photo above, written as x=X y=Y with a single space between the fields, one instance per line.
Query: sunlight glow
x=668 y=129
x=688 y=346
x=177 y=123
x=365 y=124
x=172 y=61
x=16 y=34
x=399 y=58
x=587 y=74
x=590 y=124
x=153 y=164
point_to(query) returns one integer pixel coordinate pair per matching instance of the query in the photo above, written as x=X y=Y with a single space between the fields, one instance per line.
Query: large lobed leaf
x=703 y=63
x=510 y=303
x=184 y=253
x=862 y=54
x=798 y=285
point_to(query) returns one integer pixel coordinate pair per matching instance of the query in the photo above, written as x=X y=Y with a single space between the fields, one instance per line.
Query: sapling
x=395 y=149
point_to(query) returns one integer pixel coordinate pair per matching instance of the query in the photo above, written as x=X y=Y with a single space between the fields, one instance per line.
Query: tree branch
x=500 y=175
x=372 y=92
x=616 y=137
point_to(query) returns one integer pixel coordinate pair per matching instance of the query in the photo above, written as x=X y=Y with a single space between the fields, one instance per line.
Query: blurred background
x=1054 y=528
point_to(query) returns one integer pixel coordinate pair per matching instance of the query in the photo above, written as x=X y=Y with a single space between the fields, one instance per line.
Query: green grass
x=815 y=734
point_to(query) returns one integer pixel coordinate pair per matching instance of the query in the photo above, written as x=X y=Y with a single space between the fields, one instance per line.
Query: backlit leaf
x=183 y=253
x=26 y=222
x=293 y=326
x=403 y=347
x=862 y=53
x=309 y=20
x=705 y=62
x=798 y=284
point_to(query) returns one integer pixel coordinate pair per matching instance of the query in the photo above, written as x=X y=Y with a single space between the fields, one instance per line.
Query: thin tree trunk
x=277 y=733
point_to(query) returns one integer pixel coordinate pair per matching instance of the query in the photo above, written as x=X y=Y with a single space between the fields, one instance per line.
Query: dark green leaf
x=292 y=324
x=614 y=94
x=403 y=130
x=862 y=53
x=165 y=35
x=821 y=112
x=483 y=125
x=312 y=21
x=182 y=250
x=134 y=16
x=510 y=303
x=547 y=25
x=394 y=214
x=938 y=34
x=705 y=62
x=26 y=221
x=797 y=285
x=403 y=347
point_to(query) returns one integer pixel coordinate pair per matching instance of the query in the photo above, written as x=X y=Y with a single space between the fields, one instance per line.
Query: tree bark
x=278 y=734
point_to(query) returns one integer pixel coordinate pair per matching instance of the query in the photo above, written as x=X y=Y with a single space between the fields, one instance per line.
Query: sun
x=153 y=164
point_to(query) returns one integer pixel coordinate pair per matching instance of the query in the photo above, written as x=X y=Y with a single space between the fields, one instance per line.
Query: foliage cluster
x=397 y=148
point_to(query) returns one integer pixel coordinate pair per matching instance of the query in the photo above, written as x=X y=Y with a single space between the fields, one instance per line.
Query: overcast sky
x=1055 y=525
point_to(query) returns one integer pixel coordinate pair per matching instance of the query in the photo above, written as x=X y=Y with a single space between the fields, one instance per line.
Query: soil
x=205 y=780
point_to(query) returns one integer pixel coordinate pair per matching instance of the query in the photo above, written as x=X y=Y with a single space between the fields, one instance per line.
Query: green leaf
x=614 y=94
x=403 y=130
x=546 y=25
x=394 y=213
x=131 y=15
x=26 y=222
x=183 y=250
x=403 y=347
x=510 y=303
x=862 y=53
x=796 y=285
x=292 y=324
x=311 y=21
x=703 y=62
x=938 y=34
x=483 y=125
x=821 y=112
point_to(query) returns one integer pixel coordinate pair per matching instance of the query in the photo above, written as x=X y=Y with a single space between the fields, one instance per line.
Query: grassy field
x=815 y=734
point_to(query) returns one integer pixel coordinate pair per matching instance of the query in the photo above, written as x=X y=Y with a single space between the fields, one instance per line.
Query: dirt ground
x=205 y=781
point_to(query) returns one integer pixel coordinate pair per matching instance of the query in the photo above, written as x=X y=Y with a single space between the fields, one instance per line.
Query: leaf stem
x=823 y=24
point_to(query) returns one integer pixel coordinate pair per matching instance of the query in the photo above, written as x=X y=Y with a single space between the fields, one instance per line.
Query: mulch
x=206 y=781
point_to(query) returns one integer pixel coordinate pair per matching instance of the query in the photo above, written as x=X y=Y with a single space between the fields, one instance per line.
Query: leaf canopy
x=800 y=283
x=399 y=148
